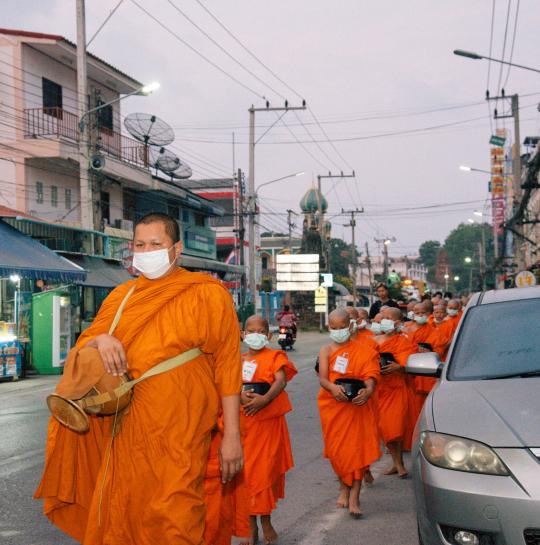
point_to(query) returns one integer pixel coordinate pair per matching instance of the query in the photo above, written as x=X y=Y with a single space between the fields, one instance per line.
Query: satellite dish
x=149 y=129
x=167 y=161
x=183 y=172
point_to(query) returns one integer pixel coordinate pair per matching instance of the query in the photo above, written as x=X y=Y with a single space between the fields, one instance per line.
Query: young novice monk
x=393 y=396
x=267 y=447
x=349 y=428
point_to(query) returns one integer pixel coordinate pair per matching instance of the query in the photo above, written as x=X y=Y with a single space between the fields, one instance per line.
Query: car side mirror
x=424 y=364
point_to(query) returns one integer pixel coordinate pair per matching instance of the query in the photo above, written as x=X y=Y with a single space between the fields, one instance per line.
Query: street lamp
x=278 y=180
x=478 y=213
x=470 y=220
x=456 y=278
x=446 y=277
x=145 y=90
x=468 y=260
x=471 y=169
x=476 y=57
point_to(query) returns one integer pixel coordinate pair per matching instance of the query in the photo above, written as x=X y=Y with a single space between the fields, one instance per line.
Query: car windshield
x=498 y=340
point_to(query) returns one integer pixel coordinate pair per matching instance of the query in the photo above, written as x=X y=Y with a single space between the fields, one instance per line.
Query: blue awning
x=22 y=255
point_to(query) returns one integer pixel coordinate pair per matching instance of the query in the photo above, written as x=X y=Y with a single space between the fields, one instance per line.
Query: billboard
x=297 y=272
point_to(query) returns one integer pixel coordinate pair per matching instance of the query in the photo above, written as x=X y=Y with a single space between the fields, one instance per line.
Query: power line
x=513 y=43
x=112 y=12
x=504 y=45
x=196 y=51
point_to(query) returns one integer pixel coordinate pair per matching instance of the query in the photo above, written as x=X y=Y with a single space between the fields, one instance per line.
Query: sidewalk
x=32 y=382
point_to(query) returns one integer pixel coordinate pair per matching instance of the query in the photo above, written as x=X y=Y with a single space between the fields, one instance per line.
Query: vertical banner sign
x=498 y=190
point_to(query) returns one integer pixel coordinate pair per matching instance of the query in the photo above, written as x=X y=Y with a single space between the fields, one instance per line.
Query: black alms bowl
x=351 y=386
x=260 y=388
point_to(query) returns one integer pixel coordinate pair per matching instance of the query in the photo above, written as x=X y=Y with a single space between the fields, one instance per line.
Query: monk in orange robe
x=227 y=504
x=145 y=485
x=392 y=394
x=349 y=428
x=267 y=446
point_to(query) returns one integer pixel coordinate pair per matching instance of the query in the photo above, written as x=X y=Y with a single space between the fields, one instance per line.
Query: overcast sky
x=365 y=69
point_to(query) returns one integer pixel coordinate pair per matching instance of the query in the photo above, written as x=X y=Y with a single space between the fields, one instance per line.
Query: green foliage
x=346 y=281
x=267 y=234
x=340 y=256
x=428 y=256
x=464 y=242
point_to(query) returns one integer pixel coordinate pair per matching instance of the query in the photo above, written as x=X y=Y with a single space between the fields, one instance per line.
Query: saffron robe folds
x=267 y=446
x=350 y=434
x=393 y=395
x=148 y=488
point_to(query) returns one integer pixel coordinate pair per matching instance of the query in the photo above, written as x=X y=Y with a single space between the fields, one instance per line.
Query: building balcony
x=57 y=123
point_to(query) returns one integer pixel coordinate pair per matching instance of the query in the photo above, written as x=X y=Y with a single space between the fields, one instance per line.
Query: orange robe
x=267 y=446
x=148 y=488
x=350 y=434
x=367 y=338
x=227 y=511
x=393 y=397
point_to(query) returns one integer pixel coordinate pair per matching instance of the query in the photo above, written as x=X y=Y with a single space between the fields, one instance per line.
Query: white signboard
x=297 y=258
x=297 y=286
x=297 y=272
x=328 y=280
x=525 y=279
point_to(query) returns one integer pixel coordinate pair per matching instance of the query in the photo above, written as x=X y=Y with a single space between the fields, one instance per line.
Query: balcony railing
x=59 y=123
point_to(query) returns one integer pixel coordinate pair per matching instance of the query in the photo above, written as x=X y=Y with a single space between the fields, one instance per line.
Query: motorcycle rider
x=287 y=318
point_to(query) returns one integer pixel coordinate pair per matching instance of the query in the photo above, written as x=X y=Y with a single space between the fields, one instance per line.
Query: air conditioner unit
x=125 y=225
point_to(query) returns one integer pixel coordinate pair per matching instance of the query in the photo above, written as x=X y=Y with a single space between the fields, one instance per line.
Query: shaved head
x=378 y=317
x=411 y=304
x=391 y=313
x=338 y=319
x=454 y=304
x=363 y=314
x=352 y=312
x=429 y=306
x=257 y=324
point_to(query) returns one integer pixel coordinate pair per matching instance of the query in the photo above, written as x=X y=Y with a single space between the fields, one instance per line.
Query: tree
x=428 y=256
x=340 y=257
x=465 y=242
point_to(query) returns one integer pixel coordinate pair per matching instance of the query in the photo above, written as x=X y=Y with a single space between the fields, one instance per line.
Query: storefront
x=26 y=268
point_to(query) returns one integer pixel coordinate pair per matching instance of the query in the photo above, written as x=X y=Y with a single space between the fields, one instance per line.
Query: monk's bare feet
x=254 y=538
x=403 y=473
x=344 y=494
x=368 y=477
x=269 y=533
x=391 y=471
x=355 y=511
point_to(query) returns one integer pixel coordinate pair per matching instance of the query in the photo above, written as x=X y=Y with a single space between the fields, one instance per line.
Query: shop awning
x=192 y=262
x=100 y=272
x=22 y=255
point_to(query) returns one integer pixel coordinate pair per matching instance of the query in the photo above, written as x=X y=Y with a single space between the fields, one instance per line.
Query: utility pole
x=251 y=184
x=291 y=225
x=385 y=242
x=241 y=237
x=352 y=225
x=370 y=279
x=321 y=177
x=85 y=187
x=516 y=165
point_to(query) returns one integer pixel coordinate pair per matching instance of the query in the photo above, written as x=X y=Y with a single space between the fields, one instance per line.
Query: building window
x=52 y=98
x=173 y=210
x=105 y=116
x=54 y=196
x=68 y=199
x=105 y=200
x=185 y=216
x=200 y=220
x=264 y=262
x=39 y=192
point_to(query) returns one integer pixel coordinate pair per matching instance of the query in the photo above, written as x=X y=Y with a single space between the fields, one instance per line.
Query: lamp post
x=472 y=169
x=252 y=207
x=476 y=57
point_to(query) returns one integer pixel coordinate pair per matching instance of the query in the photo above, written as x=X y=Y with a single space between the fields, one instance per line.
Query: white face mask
x=452 y=312
x=410 y=315
x=362 y=324
x=354 y=326
x=256 y=341
x=387 y=326
x=152 y=264
x=375 y=328
x=340 y=336
x=421 y=320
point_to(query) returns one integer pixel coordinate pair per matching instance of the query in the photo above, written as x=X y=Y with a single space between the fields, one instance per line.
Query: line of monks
x=383 y=412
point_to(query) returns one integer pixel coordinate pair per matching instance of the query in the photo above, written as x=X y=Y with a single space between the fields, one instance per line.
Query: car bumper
x=499 y=507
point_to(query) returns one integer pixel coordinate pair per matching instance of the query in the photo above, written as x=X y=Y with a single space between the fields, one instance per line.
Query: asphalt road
x=307 y=516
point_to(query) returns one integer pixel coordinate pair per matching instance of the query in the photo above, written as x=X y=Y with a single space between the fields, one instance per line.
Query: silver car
x=476 y=458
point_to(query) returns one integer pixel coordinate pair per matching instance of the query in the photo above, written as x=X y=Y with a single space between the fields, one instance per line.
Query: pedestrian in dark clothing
x=384 y=300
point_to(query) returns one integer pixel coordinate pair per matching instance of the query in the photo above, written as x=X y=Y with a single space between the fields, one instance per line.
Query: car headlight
x=451 y=452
